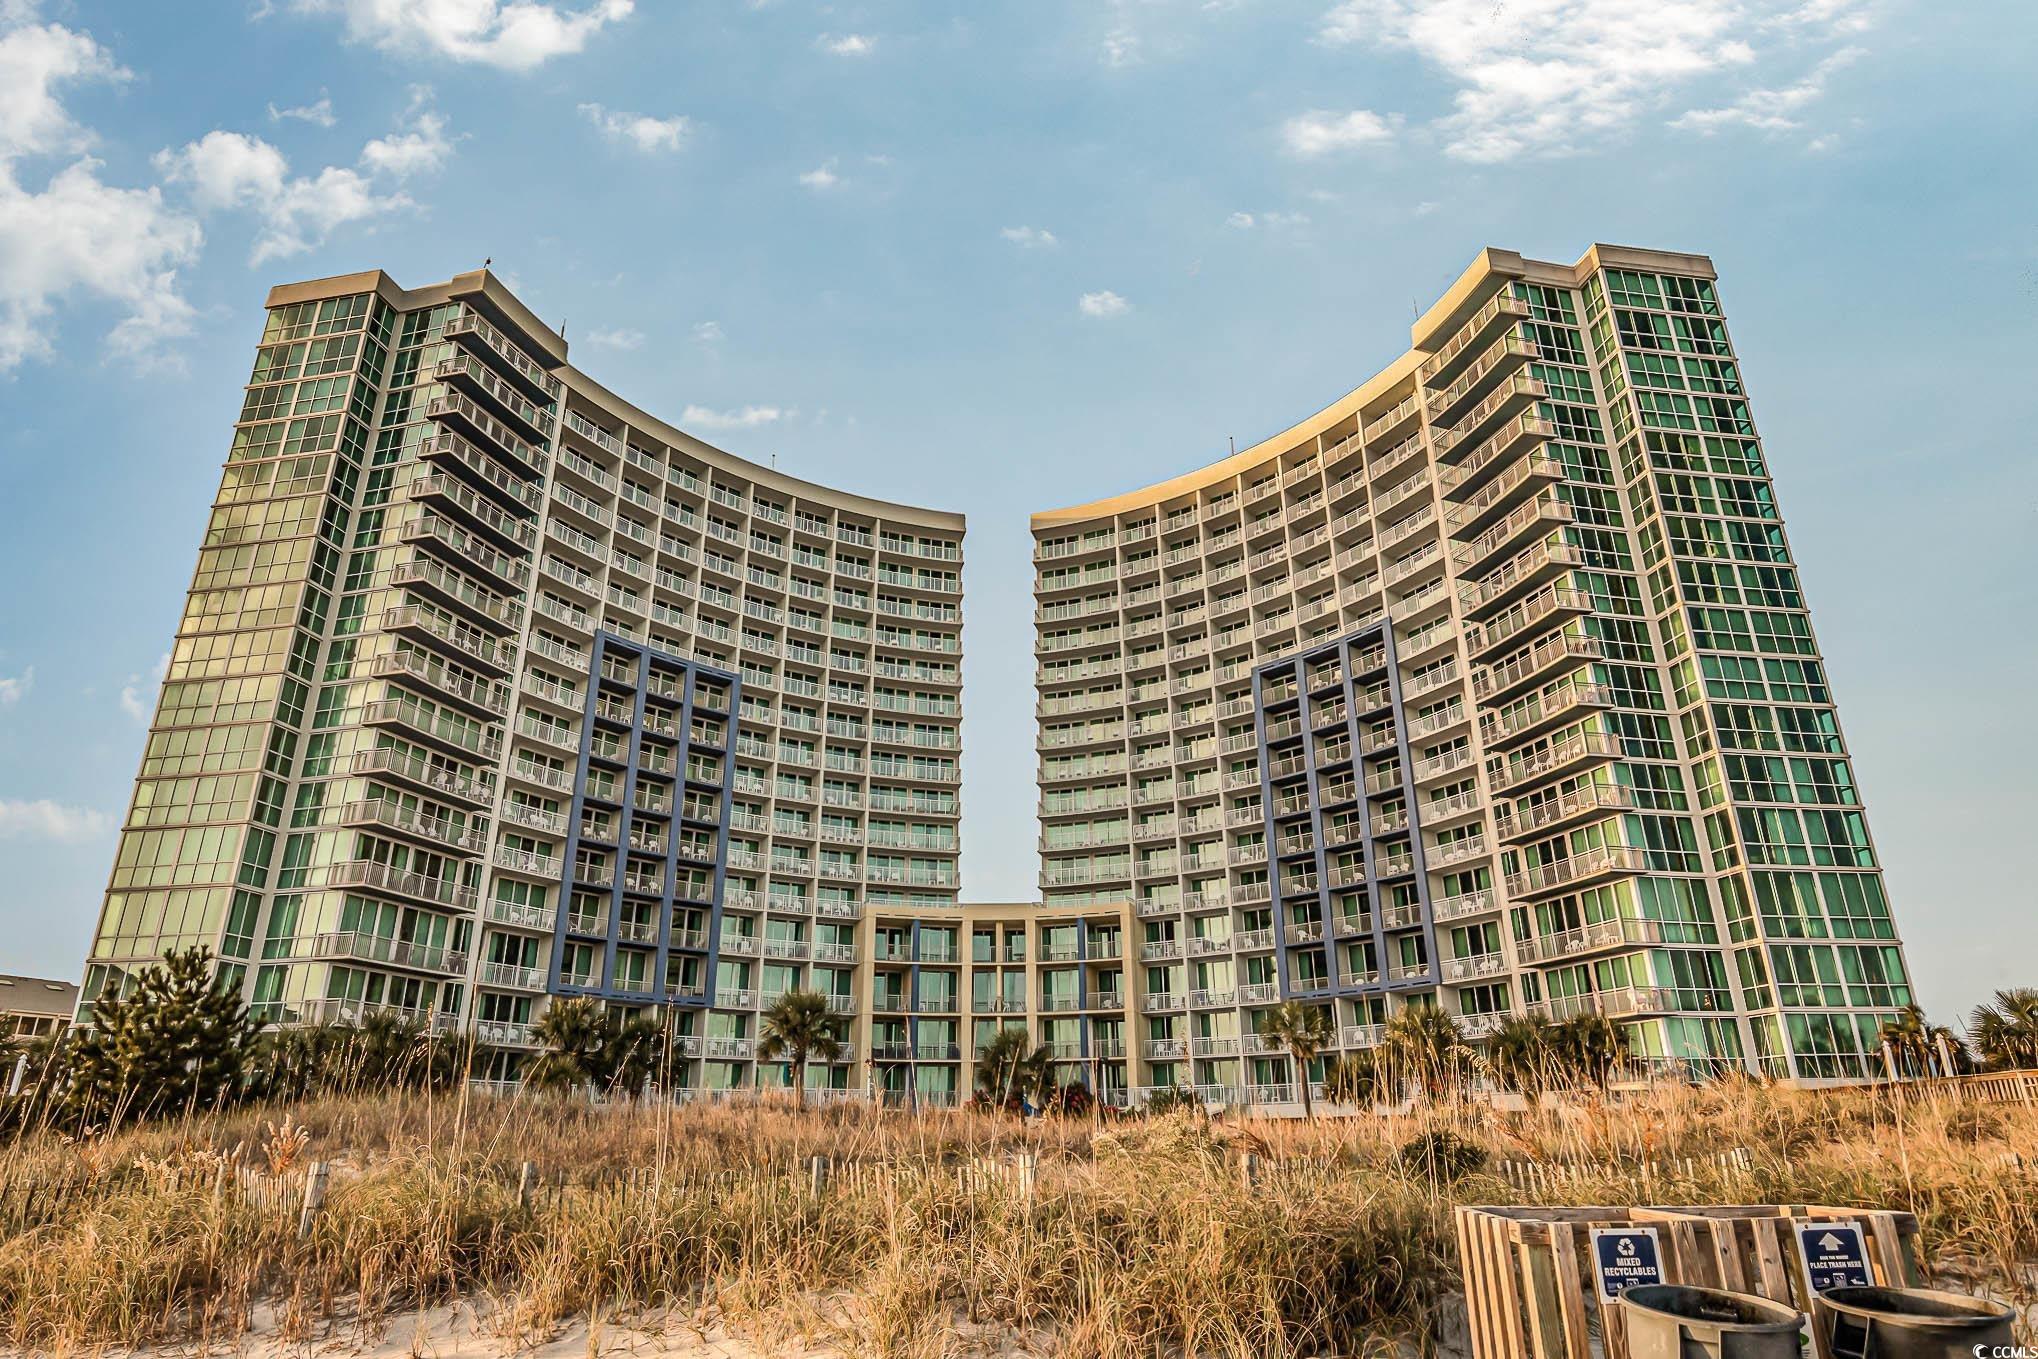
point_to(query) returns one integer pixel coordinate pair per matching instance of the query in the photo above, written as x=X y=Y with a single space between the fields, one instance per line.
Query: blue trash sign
x=1835 y=1255
x=1623 y=1257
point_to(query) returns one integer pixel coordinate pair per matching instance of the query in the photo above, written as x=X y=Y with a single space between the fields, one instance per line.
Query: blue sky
x=1002 y=257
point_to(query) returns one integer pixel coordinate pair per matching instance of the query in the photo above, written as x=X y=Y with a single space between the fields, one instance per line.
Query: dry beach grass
x=1140 y=1237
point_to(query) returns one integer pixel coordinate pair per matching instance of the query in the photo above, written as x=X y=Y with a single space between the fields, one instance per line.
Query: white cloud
x=708 y=332
x=1121 y=47
x=423 y=148
x=319 y=114
x=14 y=688
x=639 y=130
x=621 y=338
x=132 y=701
x=1030 y=238
x=1547 y=76
x=34 y=60
x=1318 y=133
x=46 y=820
x=822 y=177
x=513 y=35
x=76 y=234
x=747 y=417
x=229 y=170
x=1103 y=304
x=1273 y=221
x=848 y=44
x=1770 y=110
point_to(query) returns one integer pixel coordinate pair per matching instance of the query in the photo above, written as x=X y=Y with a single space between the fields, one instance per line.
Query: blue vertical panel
x=687 y=673
x=1345 y=651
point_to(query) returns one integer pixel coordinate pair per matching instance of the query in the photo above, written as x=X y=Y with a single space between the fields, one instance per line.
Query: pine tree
x=177 y=1040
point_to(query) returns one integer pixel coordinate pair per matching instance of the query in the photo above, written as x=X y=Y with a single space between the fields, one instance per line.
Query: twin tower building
x=1488 y=687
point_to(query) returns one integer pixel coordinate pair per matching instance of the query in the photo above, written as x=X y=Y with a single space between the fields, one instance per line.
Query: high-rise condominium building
x=492 y=686
x=1489 y=687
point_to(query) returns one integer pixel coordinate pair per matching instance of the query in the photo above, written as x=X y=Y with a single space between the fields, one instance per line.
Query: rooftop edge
x=551 y=350
x=1490 y=270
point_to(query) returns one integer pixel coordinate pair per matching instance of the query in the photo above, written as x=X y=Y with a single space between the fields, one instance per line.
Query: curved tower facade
x=1488 y=687
x=492 y=686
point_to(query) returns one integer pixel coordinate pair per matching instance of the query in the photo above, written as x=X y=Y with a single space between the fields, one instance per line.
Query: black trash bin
x=1866 y=1322
x=1671 y=1321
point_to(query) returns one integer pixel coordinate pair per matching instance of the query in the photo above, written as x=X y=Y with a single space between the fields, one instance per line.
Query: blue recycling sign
x=1835 y=1255
x=1623 y=1257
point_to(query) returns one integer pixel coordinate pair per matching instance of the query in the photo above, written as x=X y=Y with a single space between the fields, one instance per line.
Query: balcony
x=1495 y=364
x=1579 y=870
x=378 y=877
x=541 y=866
x=470 y=328
x=384 y=814
x=1360 y=1035
x=467 y=740
x=1582 y=804
x=1503 y=310
x=517 y=914
x=1626 y=1000
x=1510 y=398
x=374 y=948
x=1475 y=967
x=1464 y=905
x=1552 y=654
x=1519 y=575
x=450 y=450
x=466 y=642
x=477 y=601
x=1618 y=933
x=414 y=769
x=1573 y=754
x=459 y=409
x=463 y=368
x=353 y=1012
x=489 y=698
x=492 y=1033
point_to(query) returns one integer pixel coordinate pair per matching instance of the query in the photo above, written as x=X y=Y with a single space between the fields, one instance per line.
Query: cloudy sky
x=998 y=257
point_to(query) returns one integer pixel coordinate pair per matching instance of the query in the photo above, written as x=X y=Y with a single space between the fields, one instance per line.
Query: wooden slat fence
x=1530 y=1290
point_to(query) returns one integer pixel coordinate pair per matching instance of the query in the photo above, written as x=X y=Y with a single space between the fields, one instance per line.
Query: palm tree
x=1909 y=1039
x=387 y=1046
x=573 y=1034
x=1426 y=1043
x=630 y=1051
x=2006 y=1030
x=795 y=1027
x=1521 y=1054
x=1002 y=1060
x=1592 y=1046
x=1354 y=1078
x=1304 y=1030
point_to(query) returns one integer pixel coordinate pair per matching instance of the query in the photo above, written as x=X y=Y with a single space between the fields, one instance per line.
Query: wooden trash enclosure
x=1531 y=1293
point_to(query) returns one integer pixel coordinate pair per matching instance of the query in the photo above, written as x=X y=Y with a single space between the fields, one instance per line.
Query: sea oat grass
x=1169 y=1236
